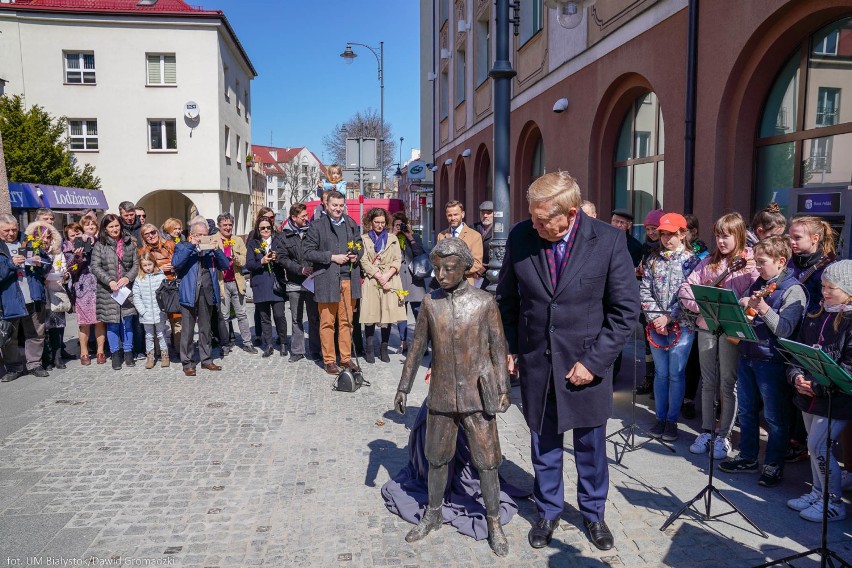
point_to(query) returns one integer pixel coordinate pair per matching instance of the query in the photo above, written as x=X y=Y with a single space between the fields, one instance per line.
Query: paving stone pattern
x=264 y=465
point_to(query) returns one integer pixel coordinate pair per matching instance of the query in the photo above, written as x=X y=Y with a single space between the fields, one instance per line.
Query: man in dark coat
x=569 y=300
x=333 y=245
x=290 y=248
x=199 y=294
x=485 y=228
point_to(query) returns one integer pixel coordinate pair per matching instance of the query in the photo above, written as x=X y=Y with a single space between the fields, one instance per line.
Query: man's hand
x=19 y=260
x=399 y=402
x=339 y=259
x=503 y=403
x=307 y=271
x=579 y=375
x=512 y=362
x=167 y=267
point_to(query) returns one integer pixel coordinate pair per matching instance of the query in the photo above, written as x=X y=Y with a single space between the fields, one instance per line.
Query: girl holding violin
x=730 y=266
x=777 y=301
x=812 y=244
x=666 y=270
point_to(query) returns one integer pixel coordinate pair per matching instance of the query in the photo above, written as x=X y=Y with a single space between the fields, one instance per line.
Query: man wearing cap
x=623 y=219
x=485 y=228
x=455 y=217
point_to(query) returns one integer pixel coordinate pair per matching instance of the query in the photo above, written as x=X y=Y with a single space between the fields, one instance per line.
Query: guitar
x=821 y=263
x=739 y=263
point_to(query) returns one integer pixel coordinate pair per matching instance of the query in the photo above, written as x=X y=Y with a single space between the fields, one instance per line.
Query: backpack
x=168 y=297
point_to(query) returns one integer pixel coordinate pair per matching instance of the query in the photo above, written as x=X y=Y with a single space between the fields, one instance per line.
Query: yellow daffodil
x=73 y=267
x=351 y=244
x=256 y=251
x=229 y=242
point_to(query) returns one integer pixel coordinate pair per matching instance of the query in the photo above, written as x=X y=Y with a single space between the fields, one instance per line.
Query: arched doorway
x=638 y=160
x=460 y=184
x=483 y=189
x=529 y=165
x=162 y=204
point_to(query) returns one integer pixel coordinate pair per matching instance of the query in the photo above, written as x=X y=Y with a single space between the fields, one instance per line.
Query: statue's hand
x=503 y=403
x=399 y=402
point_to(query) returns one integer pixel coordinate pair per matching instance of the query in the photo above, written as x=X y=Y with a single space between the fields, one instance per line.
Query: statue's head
x=451 y=258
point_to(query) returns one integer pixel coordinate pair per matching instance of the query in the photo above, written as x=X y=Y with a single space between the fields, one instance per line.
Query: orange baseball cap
x=672 y=222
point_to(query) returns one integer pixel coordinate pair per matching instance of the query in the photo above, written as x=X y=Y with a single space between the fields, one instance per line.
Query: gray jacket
x=105 y=268
x=323 y=241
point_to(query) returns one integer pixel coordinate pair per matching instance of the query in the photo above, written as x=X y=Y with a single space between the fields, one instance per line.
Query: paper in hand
x=121 y=295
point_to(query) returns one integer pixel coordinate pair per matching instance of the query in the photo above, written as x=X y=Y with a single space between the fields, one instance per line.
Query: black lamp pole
x=501 y=74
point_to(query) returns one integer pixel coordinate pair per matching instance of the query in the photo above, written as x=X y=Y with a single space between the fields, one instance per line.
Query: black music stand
x=628 y=433
x=724 y=316
x=832 y=377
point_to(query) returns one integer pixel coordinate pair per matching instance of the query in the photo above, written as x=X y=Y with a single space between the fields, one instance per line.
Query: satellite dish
x=190 y=110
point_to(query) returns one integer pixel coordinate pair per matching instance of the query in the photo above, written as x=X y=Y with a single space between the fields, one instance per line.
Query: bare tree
x=5 y=203
x=365 y=124
x=302 y=181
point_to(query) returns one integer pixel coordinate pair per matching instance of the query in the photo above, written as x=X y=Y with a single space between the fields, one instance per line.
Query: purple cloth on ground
x=407 y=494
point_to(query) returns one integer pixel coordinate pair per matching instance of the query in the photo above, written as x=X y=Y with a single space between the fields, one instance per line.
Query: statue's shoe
x=431 y=521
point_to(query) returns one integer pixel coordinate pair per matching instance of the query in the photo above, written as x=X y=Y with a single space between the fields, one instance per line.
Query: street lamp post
x=502 y=74
x=348 y=55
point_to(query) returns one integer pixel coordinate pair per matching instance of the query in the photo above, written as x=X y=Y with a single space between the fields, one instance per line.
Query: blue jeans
x=670 y=376
x=122 y=331
x=763 y=380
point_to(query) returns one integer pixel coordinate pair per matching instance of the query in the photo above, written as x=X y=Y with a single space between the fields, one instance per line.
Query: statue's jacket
x=469 y=369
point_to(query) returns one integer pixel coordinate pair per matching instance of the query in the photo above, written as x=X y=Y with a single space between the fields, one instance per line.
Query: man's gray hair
x=198 y=222
x=224 y=217
x=43 y=211
x=7 y=219
x=453 y=246
x=126 y=206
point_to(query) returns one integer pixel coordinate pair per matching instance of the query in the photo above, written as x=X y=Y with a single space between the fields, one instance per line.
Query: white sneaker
x=701 y=444
x=836 y=511
x=805 y=501
x=721 y=447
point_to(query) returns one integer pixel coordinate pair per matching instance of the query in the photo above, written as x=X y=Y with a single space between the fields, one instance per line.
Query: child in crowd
x=778 y=301
x=766 y=223
x=150 y=315
x=829 y=328
x=730 y=231
x=650 y=246
x=55 y=278
x=665 y=272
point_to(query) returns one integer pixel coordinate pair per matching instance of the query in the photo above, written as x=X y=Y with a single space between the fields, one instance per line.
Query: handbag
x=168 y=296
x=58 y=299
x=421 y=266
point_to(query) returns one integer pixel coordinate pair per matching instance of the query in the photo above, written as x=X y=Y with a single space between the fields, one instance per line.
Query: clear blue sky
x=304 y=87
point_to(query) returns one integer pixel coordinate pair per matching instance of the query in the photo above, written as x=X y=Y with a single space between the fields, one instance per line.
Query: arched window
x=538 y=160
x=639 y=160
x=804 y=138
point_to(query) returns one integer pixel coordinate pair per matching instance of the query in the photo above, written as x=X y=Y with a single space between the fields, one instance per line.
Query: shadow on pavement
x=384 y=453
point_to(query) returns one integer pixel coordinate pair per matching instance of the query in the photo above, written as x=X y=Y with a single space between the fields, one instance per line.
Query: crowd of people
x=140 y=291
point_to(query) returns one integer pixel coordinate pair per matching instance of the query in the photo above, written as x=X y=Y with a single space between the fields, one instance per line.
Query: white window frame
x=81 y=69
x=225 y=81
x=460 y=76
x=239 y=153
x=162 y=82
x=237 y=94
x=483 y=50
x=163 y=134
x=85 y=137
x=532 y=19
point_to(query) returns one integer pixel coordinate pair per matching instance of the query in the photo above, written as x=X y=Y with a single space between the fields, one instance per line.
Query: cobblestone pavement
x=264 y=465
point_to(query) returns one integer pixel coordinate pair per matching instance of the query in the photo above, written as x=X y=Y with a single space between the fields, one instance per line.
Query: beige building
x=157 y=95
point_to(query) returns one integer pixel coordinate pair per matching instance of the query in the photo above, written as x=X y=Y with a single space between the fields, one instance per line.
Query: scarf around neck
x=380 y=241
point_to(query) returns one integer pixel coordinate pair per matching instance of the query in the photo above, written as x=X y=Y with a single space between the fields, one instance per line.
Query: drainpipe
x=691 y=95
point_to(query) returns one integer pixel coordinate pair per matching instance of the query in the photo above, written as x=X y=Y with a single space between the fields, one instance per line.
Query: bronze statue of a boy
x=469 y=384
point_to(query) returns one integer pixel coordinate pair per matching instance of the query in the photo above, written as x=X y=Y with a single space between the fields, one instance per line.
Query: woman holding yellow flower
x=268 y=284
x=382 y=295
x=45 y=237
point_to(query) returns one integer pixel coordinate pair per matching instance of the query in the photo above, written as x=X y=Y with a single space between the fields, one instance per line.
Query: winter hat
x=840 y=274
x=653 y=217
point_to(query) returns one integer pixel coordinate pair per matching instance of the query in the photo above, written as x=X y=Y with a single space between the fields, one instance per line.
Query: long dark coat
x=320 y=244
x=588 y=318
x=105 y=268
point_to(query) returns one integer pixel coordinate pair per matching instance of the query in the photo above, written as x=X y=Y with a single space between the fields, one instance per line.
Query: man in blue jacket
x=22 y=297
x=198 y=292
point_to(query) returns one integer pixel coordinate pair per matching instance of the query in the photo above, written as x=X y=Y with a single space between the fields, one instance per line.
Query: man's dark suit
x=588 y=318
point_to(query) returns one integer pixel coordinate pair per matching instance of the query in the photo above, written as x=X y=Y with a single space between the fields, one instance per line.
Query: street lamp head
x=398 y=172
x=348 y=55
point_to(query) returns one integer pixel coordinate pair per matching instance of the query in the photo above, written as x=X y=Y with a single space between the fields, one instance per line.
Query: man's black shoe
x=249 y=349
x=10 y=376
x=268 y=353
x=599 y=534
x=39 y=372
x=542 y=532
x=295 y=357
x=226 y=350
